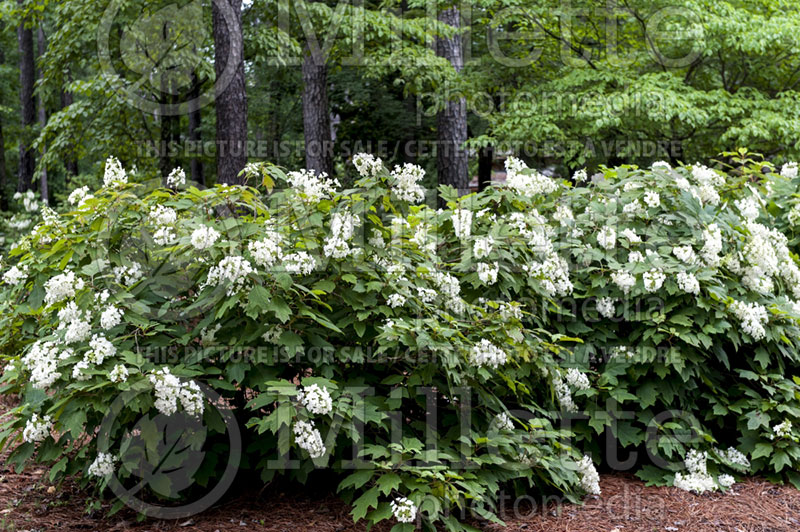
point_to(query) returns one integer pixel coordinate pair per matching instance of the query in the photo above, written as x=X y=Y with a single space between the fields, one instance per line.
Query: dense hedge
x=658 y=304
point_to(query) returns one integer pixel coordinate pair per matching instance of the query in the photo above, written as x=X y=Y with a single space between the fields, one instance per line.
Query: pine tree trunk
x=27 y=106
x=316 y=117
x=451 y=121
x=485 y=160
x=42 y=47
x=231 y=97
x=195 y=138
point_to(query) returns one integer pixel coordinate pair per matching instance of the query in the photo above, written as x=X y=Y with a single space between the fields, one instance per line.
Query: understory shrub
x=430 y=358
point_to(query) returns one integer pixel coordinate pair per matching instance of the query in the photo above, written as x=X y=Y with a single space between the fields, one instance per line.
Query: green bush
x=327 y=321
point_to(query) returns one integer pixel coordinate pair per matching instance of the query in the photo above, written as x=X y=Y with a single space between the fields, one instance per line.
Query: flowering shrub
x=330 y=323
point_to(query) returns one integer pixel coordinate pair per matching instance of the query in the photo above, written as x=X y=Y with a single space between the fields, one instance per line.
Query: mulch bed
x=29 y=503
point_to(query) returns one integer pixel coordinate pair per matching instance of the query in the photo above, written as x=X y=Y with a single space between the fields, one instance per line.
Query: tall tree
x=316 y=115
x=42 y=47
x=3 y=174
x=195 y=121
x=451 y=121
x=231 y=95
x=27 y=105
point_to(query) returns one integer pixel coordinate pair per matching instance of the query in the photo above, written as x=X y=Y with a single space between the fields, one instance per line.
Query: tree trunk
x=451 y=121
x=71 y=161
x=166 y=162
x=231 y=95
x=42 y=47
x=195 y=139
x=27 y=106
x=485 y=160
x=3 y=174
x=316 y=118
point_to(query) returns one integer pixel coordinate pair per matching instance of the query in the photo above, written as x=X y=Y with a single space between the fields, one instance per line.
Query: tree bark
x=27 y=106
x=451 y=121
x=485 y=160
x=195 y=138
x=316 y=118
x=231 y=97
x=3 y=171
x=42 y=47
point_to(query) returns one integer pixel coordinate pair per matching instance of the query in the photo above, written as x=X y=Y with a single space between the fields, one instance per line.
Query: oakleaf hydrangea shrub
x=330 y=323
x=683 y=292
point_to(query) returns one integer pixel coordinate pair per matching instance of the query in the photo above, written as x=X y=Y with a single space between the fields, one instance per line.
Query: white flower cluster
x=748 y=207
x=28 y=198
x=734 y=457
x=299 y=263
x=36 y=430
x=563 y=215
x=708 y=181
x=367 y=165
x=176 y=178
x=525 y=181
x=114 y=173
x=232 y=271
x=606 y=307
x=103 y=465
x=128 y=275
x=590 y=480
x=712 y=246
x=487 y=272
x=169 y=390
x=688 y=283
x=782 y=430
x=404 y=510
x=685 y=254
x=118 y=374
x=753 y=317
x=462 y=222
x=406 y=183
x=307 y=437
x=267 y=251
x=652 y=199
x=487 y=354
x=111 y=317
x=396 y=300
x=79 y=196
x=316 y=400
x=580 y=176
x=564 y=395
x=624 y=280
x=553 y=274
x=343 y=225
x=502 y=421
x=312 y=187
x=697 y=479
x=607 y=237
x=631 y=235
x=577 y=379
x=61 y=287
x=204 y=237
x=15 y=275
x=482 y=247
x=101 y=349
x=789 y=170
x=163 y=218
x=653 y=280
x=42 y=361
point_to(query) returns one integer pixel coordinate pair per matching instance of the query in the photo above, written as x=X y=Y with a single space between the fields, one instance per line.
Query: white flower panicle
x=606 y=307
x=42 y=361
x=624 y=280
x=204 y=237
x=118 y=374
x=590 y=479
x=406 y=180
x=580 y=176
x=752 y=316
x=688 y=283
x=577 y=379
x=169 y=391
x=114 y=173
x=631 y=236
x=176 y=178
x=525 y=181
x=789 y=170
x=482 y=247
x=487 y=272
x=79 y=196
x=367 y=165
x=15 y=275
x=404 y=510
x=128 y=275
x=735 y=458
x=564 y=395
x=652 y=199
x=653 y=280
x=316 y=399
x=101 y=349
x=486 y=353
x=502 y=421
x=36 y=429
x=607 y=238
x=103 y=465
x=462 y=222
x=748 y=207
x=712 y=247
x=782 y=430
x=267 y=251
x=111 y=317
x=312 y=187
x=396 y=300
x=308 y=438
x=232 y=271
x=685 y=254
x=300 y=263
x=61 y=287
x=697 y=479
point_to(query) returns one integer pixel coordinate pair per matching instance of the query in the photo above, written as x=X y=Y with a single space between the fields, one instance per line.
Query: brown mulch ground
x=29 y=503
